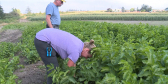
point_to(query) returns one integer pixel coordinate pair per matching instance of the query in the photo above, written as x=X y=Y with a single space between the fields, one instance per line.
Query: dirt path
x=10 y=35
x=23 y=20
x=31 y=73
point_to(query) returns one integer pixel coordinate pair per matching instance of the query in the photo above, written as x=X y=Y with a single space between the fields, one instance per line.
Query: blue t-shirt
x=64 y=43
x=53 y=10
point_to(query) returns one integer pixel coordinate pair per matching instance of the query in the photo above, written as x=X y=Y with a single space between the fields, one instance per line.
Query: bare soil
x=31 y=73
x=10 y=35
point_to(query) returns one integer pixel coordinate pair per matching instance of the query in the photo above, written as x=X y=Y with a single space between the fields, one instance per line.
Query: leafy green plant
x=124 y=54
x=7 y=68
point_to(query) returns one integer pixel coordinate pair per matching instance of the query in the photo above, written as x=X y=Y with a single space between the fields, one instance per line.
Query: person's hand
x=74 y=65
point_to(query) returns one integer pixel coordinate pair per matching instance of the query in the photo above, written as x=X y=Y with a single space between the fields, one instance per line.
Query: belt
x=55 y=25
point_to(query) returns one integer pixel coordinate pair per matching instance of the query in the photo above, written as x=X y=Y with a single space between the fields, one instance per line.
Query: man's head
x=87 y=49
x=59 y=2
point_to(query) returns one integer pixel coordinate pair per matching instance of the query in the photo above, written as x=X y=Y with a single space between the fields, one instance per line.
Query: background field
x=100 y=16
x=156 y=23
x=126 y=53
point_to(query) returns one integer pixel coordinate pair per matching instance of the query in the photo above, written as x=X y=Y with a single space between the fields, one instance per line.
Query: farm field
x=156 y=23
x=108 y=16
x=133 y=48
x=127 y=52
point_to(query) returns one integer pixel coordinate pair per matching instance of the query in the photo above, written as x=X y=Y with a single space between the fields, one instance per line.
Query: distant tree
x=109 y=10
x=15 y=13
x=132 y=10
x=14 y=10
x=145 y=8
x=123 y=9
x=28 y=11
x=149 y=9
x=40 y=12
x=137 y=9
x=2 y=14
x=166 y=9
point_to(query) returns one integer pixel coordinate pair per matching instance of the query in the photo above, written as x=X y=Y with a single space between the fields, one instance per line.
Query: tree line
x=144 y=8
x=15 y=13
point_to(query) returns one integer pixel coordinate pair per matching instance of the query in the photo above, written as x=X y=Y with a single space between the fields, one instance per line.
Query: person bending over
x=51 y=42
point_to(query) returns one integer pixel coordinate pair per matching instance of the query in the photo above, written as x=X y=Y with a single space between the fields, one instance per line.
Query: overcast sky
x=40 y=5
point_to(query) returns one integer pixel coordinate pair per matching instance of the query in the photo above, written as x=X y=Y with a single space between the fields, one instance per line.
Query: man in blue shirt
x=52 y=14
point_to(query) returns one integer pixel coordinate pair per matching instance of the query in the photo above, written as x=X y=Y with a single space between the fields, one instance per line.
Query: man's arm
x=49 y=21
x=71 y=63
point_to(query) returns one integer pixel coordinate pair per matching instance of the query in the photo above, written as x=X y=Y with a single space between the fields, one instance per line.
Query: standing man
x=52 y=14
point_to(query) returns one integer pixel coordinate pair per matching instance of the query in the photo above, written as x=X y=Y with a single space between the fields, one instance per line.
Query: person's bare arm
x=71 y=63
x=49 y=21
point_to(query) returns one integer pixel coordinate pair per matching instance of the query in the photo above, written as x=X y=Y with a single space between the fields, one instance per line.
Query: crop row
x=109 y=17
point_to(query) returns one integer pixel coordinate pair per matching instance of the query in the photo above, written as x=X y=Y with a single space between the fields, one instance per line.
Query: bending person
x=50 y=41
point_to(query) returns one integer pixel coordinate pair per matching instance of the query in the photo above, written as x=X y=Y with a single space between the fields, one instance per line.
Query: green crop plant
x=125 y=54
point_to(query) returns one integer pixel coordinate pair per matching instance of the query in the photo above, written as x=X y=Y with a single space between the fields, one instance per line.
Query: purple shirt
x=64 y=43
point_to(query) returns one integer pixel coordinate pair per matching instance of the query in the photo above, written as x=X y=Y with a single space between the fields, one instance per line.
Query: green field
x=127 y=52
x=109 y=16
x=156 y=23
